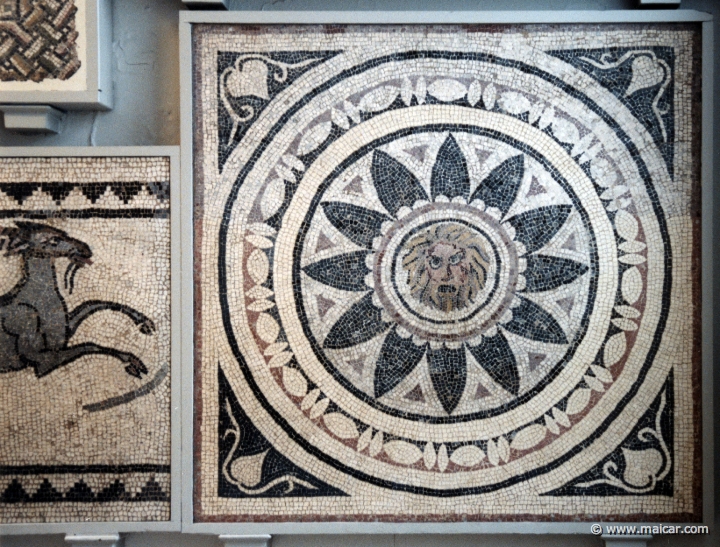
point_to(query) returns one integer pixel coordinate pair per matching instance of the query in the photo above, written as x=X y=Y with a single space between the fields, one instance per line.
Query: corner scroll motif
x=247 y=83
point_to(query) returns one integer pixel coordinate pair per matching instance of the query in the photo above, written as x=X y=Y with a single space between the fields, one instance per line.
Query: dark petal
x=495 y=356
x=545 y=273
x=536 y=227
x=398 y=358
x=346 y=272
x=450 y=174
x=358 y=224
x=396 y=186
x=500 y=187
x=357 y=325
x=448 y=372
x=531 y=321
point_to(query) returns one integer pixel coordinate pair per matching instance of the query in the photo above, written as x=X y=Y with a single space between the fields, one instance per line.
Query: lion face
x=447 y=266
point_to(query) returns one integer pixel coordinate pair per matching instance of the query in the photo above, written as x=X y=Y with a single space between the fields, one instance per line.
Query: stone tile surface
x=446 y=273
x=85 y=339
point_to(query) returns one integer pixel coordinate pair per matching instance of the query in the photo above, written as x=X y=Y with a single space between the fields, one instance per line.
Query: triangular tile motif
x=415 y=394
x=481 y=392
x=354 y=187
x=252 y=87
x=535 y=359
x=566 y=304
x=652 y=105
x=570 y=244
x=323 y=243
x=265 y=472
x=14 y=493
x=324 y=305
x=535 y=188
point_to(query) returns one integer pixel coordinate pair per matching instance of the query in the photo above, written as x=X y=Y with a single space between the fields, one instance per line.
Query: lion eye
x=455 y=259
x=435 y=262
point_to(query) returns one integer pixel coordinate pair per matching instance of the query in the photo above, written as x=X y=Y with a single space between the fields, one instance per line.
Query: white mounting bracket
x=31 y=118
x=246 y=541
x=659 y=3
x=626 y=540
x=105 y=540
x=206 y=4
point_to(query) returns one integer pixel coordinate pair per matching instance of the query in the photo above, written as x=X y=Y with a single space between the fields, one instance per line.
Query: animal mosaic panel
x=38 y=40
x=84 y=339
x=446 y=273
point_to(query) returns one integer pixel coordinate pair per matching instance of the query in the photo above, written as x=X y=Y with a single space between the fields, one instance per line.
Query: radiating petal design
x=533 y=322
x=357 y=325
x=396 y=186
x=450 y=174
x=495 y=356
x=544 y=273
x=358 y=224
x=536 y=227
x=448 y=373
x=500 y=187
x=346 y=272
x=398 y=358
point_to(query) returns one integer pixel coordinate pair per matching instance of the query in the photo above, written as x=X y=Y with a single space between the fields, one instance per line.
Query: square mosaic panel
x=446 y=273
x=84 y=339
x=38 y=40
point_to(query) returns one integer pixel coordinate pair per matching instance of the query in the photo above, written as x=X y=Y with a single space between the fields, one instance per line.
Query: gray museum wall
x=146 y=112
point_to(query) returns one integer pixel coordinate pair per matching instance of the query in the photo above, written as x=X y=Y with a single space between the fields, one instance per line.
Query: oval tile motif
x=280 y=359
x=259 y=292
x=262 y=229
x=467 y=456
x=565 y=131
x=447 y=90
x=379 y=99
x=442 y=458
x=364 y=439
x=294 y=382
x=561 y=417
x=319 y=408
x=258 y=266
x=376 y=445
x=577 y=401
x=614 y=349
x=628 y=311
x=503 y=449
x=632 y=259
x=406 y=91
x=626 y=225
x=341 y=426
x=528 y=437
x=260 y=305
x=492 y=452
x=267 y=328
x=310 y=399
x=340 y=119
x=403 y=452
x=474 y=93
x=631 y=285
x=594 y=383
x=602 y=374
x=272 y=198
x=551 y=425
x=313 y=138
x=624 y=324
x=489 y=96
x=514 y=103
x=429 y=456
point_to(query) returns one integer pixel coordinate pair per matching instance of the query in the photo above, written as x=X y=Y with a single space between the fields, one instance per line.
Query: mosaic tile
x=38 y=40
x=446 y=273
x=85 y=339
